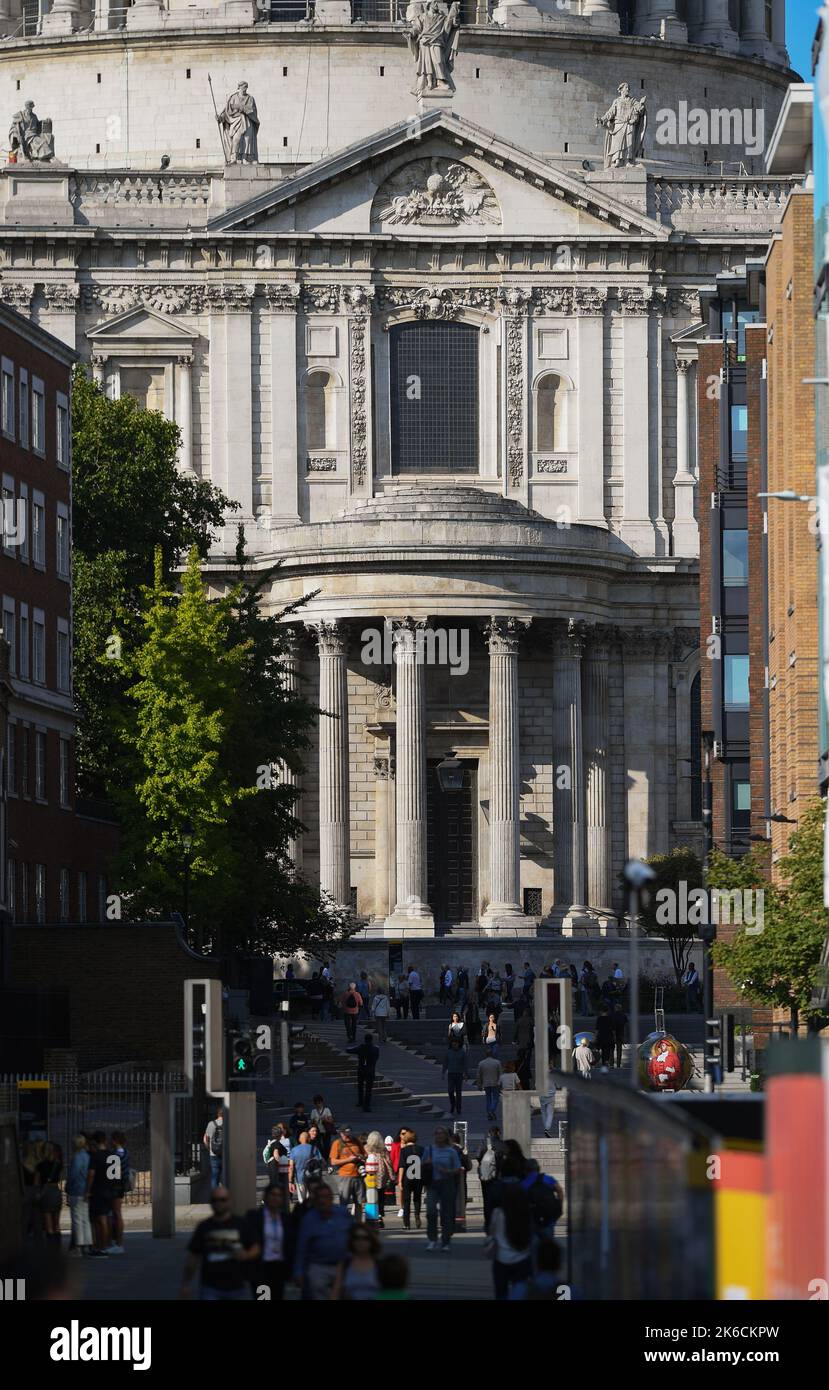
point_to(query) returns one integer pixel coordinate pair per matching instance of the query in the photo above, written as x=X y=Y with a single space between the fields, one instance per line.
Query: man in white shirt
x=415 y=991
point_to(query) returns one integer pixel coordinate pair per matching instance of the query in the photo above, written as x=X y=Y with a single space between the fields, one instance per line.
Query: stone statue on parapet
x=624 y=124
x=432 y=36
x=239 y=127
x=30 y=138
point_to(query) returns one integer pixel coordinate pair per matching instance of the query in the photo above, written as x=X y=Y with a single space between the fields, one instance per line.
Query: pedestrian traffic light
x=241 y=1056
x=727 y=1039
x=289 y=1043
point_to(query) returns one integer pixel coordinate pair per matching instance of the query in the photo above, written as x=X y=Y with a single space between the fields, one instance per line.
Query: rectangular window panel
x=40 y=892
x=739 y=433
x=11 y=887
x=11 y=759
x=38 y=417
x=24 y=761
x=64 y=772
x=64 y=895
x=10 y=633
x=62 y=551
x=734 y=557
x=39 y=648
x=736 y=682
x=23 y=649
x=40 y=765
x=82 y=892
x=24 y=410
x=434 y=397
x=38 y=529
x=64 y=675
x=8 y=399
x=62 y=424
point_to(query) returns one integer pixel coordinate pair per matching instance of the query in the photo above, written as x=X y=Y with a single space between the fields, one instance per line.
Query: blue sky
x=801 y=23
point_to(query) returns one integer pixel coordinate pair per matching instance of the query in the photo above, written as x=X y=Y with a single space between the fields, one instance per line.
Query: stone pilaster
x=568 y=775
x=412 y=912
x=290 y=680
x=384 y=875
x=685 y=529
x=334 y=819
x=503 y=636
x=282 y=301
x=597 y=772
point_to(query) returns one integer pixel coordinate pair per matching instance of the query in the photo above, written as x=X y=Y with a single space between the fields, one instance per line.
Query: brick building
x=55 y=852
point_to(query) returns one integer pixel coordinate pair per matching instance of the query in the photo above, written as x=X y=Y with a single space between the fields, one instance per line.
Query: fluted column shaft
x=503 y=636
x=410 y=783
x=716 y=26
x=335 y=831
x=290 y=680
x=569 y=776
x=597 y=771
x=383 y=784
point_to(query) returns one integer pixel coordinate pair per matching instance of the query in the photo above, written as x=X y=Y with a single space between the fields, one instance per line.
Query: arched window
x=320 y=411
x=552 y=395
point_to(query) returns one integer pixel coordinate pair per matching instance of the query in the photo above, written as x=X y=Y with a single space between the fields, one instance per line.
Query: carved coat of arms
x=436 y=193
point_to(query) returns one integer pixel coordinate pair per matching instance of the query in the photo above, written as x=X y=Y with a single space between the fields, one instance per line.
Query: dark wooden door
x=451 y=848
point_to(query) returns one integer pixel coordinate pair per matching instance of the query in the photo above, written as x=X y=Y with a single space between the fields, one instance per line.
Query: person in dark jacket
x=273 y=1232
x=454 y=1069
x=604 y=1036
x=472 y=1019
x=620 y=1019
x=367 y=1058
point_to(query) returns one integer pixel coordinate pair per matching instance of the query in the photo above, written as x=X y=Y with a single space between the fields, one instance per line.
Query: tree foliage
x=777 y=966
x=681 y=866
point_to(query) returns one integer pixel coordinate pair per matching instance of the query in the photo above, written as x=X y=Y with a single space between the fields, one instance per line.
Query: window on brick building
x=23 y=411
x=24 y=892
x=39 y=647
x=62 y=541
x=11 y=888
x=64 y=671
x=62 y=440
x=23 y=665
x=40 y=765
x=9 y=517
x=64 y=772
x=24 y=761
x=7 y=398
x=10 y=633
x=434 y=397
x=734 y=557
x=11 y=758
x=739 y=433
x=25 y=521
x=38 y=416
x=63 y=895
x=735 y=670
x=38 y=530
x=40 y=892
x=83 y=906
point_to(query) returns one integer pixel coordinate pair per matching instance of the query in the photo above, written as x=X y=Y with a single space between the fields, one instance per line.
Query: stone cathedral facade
x=427 y=310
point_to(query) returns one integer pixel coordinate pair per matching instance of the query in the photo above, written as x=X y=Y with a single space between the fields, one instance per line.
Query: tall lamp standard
x=187 y=846
x=637 y=875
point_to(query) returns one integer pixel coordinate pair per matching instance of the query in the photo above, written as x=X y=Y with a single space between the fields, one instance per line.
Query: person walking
x=457 y=1029
x=322 y=1246
x=529 y=979
x=462 y=975
x=380 y=1012
x=455 y=1071
x=415 y=991
x=510 y=1080
x=441 y=1173
x=509 y=983
x=99 y=1191
x=585 y=1060
x=365 y=989
x=76 y=1191
x=375 y=1148
x=472 y=1019
x=545 y=1198
x=584 y=993
x=548 y=1104
x=323 y=1118
x=346 y=1159
x=351 y=1004
x=356 y=1279
x=32 y=1217
x=605 y=1036
x=692 y=989
x=367 y=1058
x=121 y=1185
x=620 y=1020
x=403 y=994
x=268 y=1225
x=276 y=1157
x=509 y=1243
x=213 y=1141
x=524 y=1032
x=220 y=1250
x=327 y=998
x=493 y=1033
x=315 y=990
x=50 y=1169
x=490 y=1155
x=306 y=1162
x=488 y=1080
x=411 y=1177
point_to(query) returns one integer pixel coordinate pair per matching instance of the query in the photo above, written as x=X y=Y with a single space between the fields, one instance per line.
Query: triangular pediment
x=480 y=184
x=140 y=325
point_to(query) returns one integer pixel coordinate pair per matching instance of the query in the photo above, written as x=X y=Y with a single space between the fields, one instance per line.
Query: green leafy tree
x=128 y=497
x=778 y=965
x=681 y=866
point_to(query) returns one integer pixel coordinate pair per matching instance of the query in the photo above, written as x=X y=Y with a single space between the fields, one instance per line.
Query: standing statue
x=31 y=139
x=239 y=127
x=624 y=123
x=432 y=37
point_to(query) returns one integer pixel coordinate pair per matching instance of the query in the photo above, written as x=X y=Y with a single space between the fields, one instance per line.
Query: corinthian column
x=660 y=21
x=716 y=26
x=503 y=636
x=568 y=797
x=685 y=530
x=290 y=681
x=596 y=758
x=335 y=833
x=412 y=910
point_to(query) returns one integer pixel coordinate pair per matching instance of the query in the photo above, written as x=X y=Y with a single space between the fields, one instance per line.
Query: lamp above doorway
x=450 y=774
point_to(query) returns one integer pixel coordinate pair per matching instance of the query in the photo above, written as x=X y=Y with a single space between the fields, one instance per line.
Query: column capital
x=406 y=635
x=332 y=637
x=384 y=768
x=282 y=299
x=503 y=635
x=569 y=639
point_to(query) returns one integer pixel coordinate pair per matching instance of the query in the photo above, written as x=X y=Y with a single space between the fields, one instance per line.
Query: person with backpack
x=545 y=1198
x=213 y=1141
x=620 y=1020
x=322 y=1117
x=510 y=1240
x=490 y=1156
x=351 y=1004
x=306 y=1162
x=346 y=1159
x=604 y=1036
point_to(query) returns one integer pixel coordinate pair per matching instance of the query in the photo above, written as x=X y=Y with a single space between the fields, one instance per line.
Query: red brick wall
x=126 y=986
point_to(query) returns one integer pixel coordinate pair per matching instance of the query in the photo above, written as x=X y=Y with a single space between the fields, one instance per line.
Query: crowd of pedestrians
x=94 y=1183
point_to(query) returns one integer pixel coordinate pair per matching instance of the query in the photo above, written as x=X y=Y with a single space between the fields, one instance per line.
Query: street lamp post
x=187 y=845
x=637 y=875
